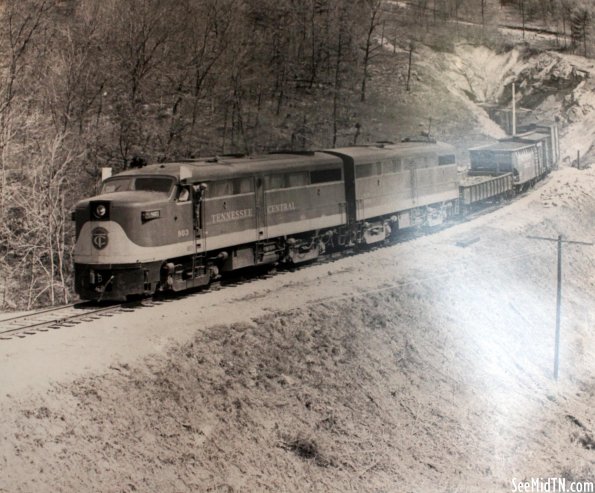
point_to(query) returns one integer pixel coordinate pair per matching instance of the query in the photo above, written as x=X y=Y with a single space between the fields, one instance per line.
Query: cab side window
x=184 y=195
x=220 y=188
x=367 y=170
x=446 y=159
x=234 y=186
x=325 y=175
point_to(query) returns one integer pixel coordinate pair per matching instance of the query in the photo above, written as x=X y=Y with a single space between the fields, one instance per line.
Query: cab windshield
x=161 y=184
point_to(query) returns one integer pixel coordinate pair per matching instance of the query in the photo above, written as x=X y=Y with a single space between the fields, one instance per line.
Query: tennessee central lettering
x=222 y=217
x=286 y=206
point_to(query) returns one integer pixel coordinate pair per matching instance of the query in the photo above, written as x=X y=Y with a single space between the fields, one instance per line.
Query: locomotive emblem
x=99 y=238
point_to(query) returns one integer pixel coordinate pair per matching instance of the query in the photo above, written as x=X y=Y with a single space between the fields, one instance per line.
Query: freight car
x=476 y=191
x=179 y=225
x=529 y=156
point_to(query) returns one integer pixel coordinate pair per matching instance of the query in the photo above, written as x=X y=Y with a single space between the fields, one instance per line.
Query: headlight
x=100 y=211
x=148 y=215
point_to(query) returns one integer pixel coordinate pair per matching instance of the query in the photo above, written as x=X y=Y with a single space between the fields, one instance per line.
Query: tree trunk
x=409 y=68
x=337 y=81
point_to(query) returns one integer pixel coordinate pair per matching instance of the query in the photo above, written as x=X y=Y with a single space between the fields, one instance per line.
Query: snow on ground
x=12 y=314
x=485 y=72
x=424 y=366
x=579 y=134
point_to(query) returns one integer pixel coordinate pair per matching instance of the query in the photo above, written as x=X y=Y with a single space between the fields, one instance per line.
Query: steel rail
x=32 y=322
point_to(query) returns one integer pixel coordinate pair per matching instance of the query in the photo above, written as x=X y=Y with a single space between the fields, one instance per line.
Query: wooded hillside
x=87 y=84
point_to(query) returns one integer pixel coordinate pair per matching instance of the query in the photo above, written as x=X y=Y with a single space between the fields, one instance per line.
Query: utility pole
x=578 y=159
x=513 y=110
x=558 y=240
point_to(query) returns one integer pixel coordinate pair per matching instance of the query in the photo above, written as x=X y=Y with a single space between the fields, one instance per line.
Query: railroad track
x=62 y=316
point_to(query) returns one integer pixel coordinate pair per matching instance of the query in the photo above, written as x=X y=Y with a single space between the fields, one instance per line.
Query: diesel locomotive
x=180 y=225
x=174 y=226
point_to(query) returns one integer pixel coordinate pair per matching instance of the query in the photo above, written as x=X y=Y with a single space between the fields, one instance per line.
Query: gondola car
x=179 y=225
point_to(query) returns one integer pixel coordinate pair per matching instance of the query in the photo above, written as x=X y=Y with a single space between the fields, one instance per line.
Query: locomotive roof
x=420 y=146
x=378 y=151
x=223 y=167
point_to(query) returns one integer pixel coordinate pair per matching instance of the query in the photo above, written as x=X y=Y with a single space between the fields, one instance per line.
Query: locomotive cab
x=124 y=234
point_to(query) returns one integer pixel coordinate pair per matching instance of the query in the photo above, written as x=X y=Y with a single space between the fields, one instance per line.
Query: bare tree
x=371 y=46
x=580 y=23
x=20 y=26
